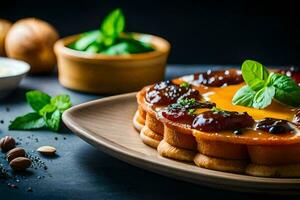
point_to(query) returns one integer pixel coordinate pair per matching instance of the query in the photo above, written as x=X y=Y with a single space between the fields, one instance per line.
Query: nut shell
x=20 y=163
x=32 y=41
x=15 y=153
x=7 y=143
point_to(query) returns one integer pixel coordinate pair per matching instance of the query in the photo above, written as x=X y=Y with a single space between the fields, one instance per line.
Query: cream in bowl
x=11 y=73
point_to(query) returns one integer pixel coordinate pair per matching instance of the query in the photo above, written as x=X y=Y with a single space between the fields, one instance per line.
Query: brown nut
x=20 y=163
x=7 y=143
x=15 y=153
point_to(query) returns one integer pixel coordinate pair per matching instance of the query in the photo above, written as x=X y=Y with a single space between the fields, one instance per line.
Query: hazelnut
x=15 y=153
x=7 y=143
x=20 y=163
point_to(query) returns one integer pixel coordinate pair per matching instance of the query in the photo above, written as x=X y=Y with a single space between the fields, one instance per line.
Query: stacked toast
x=192 y=119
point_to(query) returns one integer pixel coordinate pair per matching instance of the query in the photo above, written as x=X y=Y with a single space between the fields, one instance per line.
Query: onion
x=32 y=40
x=4 y=28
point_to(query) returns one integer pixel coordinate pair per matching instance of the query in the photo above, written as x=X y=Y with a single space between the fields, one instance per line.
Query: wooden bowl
x=98 y=73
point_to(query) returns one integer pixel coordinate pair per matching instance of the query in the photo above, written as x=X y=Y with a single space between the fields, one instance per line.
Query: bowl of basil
x=109 y=60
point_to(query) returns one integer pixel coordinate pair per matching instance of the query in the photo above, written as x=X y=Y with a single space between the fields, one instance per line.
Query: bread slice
x=224 y=150
x=149 y=137
x=226 y=165
x=178 y=139
x=292 y=170
x=169 y=151
x=138 y=121
x=154 y=124
x=274 y=155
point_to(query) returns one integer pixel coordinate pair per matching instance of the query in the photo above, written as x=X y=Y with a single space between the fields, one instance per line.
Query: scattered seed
x=47 y=150
x=15 y=153
x=20 y=164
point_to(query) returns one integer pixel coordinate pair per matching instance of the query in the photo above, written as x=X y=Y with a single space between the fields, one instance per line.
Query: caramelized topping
x=217 y=120
x=166 y=92
x=274 y=126
x=183 y=110
x=218 y=78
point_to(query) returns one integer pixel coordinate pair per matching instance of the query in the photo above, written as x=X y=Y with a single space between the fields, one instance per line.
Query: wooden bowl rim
x=160 y=50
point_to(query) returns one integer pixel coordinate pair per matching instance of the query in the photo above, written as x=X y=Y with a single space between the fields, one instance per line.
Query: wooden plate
x=107 y=125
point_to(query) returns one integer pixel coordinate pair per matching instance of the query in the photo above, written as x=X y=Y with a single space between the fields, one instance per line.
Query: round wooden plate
x=107 y=125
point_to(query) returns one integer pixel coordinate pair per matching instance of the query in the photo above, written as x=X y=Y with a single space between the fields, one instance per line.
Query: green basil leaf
x=37 y=99
x=86 y=40
x=127 y=47
x=263 y=97
x=94 y=48
x=287 y=90
x=61 y=102
x=28 y=122
x=244 y=97
x=112 y=26
x=254 y=74
x=53 y=120
x=49 y=108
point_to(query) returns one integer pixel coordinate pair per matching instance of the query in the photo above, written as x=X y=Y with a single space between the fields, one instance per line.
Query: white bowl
x=16 y=72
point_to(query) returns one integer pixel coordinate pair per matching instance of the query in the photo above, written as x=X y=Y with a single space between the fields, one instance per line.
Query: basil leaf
x=61 y=102
x=112 y=26
x=86 y=40
x=244 y=97
x=127 y=47
x=37 y=99
x=287 y=90
x=93 y=48
x=49 y=108
x=263 y=97
x=53 y=120
x=254 y=74
x=28 y=122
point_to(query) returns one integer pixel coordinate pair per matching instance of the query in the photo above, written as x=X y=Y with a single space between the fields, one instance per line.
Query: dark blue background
x=205 y=32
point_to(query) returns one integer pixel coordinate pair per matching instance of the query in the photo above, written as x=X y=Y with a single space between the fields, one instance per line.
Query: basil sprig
x=109 y=40
x=262 y=86
x=48 y=112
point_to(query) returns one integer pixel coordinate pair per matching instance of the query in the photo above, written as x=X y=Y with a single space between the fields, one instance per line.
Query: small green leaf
x=49 y=108
x=191 y=111
x=244 y=97
x=287 y=90
x=254 y=74
x=112 y=26
x=86 y=40
x=263 y=97
x=37 y=99
x=53 y=120
x=93 y=48
x=28 y=122
x=61 y=102
x=184 y=84
x=187 y=102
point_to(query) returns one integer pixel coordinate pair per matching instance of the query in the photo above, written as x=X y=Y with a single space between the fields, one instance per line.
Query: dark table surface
x=79 y=171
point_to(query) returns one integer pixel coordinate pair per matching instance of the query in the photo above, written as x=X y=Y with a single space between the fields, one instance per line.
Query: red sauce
x=218 y=78
x=214 y=121
x=184 y=113
x=166 y=92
